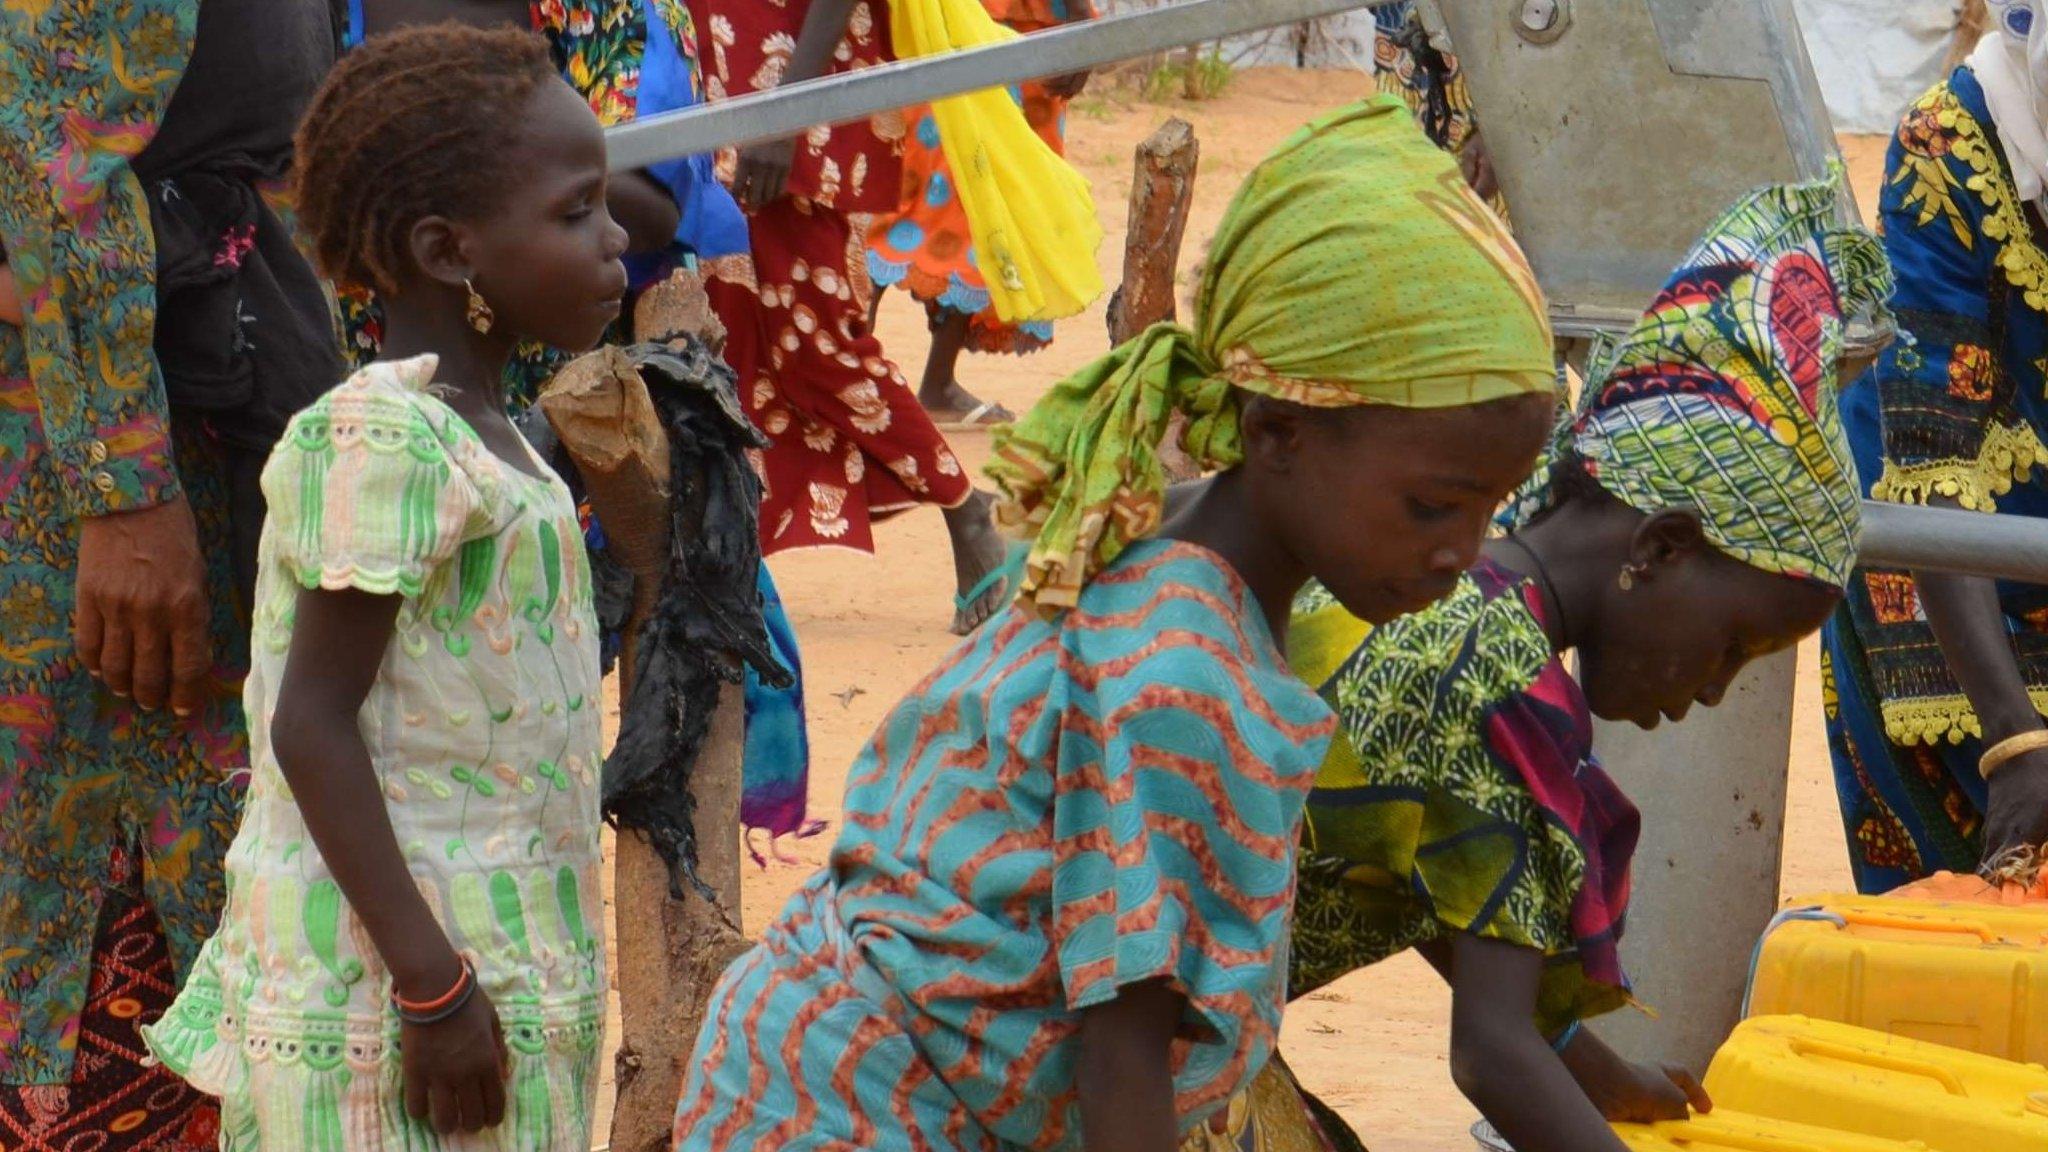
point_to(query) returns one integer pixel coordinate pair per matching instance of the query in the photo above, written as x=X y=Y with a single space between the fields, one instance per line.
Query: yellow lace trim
x=2024 y=264
x=1937 y=719
x=2010 y=453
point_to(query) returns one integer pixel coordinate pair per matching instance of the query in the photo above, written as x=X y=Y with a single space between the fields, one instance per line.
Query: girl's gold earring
x=1628 y=576
x=480 y=314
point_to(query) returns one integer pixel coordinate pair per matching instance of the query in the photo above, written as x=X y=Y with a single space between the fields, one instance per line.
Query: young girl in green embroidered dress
x=411 y=954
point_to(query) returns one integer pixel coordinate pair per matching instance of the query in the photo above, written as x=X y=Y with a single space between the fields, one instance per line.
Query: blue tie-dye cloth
x=775 y=779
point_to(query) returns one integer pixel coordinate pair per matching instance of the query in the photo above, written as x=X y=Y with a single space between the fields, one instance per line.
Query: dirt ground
x=870 y=626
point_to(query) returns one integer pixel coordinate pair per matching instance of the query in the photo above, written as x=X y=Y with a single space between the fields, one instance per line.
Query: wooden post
x=670 y=952
x=1162 y=188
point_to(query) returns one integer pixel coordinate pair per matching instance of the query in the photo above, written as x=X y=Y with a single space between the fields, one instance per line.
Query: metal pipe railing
x=856 y=95
x=1950 y=540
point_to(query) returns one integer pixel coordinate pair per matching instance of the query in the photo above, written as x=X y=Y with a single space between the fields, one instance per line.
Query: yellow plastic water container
x=1726 y=1131
x=1964 y=975
x=1831 y=1075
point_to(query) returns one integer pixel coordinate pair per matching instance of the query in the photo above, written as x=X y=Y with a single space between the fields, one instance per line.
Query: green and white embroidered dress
x=483 y=727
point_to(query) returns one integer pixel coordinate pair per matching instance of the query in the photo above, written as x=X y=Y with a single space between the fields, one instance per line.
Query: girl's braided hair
x=418 y=123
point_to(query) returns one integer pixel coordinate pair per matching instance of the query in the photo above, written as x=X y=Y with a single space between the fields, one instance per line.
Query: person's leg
x=849 y=443
x=978 y=555
x=117 y=1098
x=940 y=391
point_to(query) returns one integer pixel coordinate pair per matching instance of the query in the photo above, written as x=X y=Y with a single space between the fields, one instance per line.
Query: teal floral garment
x=483 y=732
x=84 y=431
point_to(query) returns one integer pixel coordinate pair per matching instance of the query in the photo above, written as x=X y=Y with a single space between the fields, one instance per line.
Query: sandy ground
x=870 y=626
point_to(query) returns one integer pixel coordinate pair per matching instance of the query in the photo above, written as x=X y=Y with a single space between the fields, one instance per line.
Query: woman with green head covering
x=1056 y=914
x=1698 y=509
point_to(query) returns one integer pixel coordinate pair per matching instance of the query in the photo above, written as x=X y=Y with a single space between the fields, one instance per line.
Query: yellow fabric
x=1030 y=213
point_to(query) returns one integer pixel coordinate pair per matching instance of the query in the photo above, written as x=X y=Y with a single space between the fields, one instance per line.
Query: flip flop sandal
x=998 y=577
x=973 y=422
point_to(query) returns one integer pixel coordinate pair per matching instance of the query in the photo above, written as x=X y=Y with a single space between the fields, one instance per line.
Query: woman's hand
x=1068 y=86
x=764 y=166
x=10 y=299
x=763 y=174
x=1969 y=623
x=455 y=1069
x=140 y=617
x=2017 y=814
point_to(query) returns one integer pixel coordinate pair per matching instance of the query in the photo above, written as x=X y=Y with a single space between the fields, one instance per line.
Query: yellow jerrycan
x=1726 y=1131
x=1964 y=975
x=1832 y=1075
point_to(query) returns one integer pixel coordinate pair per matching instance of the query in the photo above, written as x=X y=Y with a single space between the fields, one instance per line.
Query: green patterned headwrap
x=1353 y=267
x=1722 y=397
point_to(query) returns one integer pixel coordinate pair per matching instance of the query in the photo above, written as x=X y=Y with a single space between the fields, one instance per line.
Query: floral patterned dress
x=483 y=731
x=848 y=442
x=1462 y=797
x=116 y=818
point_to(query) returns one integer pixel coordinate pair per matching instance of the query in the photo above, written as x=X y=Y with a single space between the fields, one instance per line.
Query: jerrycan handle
x=1743 y=1142
x=1827 y=1049
x=1977 y=928
x=2037 y=1103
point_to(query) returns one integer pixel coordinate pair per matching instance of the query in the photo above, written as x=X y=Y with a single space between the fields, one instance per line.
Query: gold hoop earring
x=479 y=312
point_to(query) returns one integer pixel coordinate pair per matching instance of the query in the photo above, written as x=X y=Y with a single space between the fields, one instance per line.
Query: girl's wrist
x=423 y=974
x=1562 y=1042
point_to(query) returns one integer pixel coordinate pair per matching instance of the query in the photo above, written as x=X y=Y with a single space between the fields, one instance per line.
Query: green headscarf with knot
x=1353 y=267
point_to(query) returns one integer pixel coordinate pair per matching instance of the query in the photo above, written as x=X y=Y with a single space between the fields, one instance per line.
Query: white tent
x=1874 y=57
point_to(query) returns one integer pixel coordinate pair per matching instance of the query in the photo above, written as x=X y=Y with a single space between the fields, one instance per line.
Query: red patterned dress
x=849 y=443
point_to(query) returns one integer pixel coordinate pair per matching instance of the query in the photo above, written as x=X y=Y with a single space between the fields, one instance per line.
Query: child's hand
x=455 y=1070
x=1644 y=1094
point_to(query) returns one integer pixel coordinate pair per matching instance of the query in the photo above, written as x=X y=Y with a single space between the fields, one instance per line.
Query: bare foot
x=978 y=554
x=954 y=408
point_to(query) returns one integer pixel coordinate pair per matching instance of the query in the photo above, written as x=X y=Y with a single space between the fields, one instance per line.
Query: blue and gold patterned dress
x=1954 y=411
x=1064 y=808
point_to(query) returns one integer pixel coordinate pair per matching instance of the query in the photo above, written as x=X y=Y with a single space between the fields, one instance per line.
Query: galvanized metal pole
x=1712 y=794
x=856 y=95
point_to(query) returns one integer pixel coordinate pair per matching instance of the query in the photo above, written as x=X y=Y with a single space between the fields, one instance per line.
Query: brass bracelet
x=2009 y=749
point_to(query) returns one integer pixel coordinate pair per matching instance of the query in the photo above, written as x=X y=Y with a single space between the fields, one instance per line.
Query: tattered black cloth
x=706 y=629
x=245 y=334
